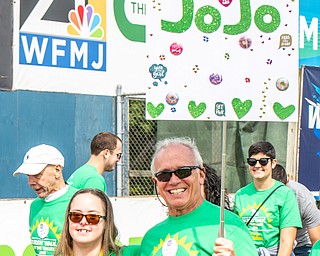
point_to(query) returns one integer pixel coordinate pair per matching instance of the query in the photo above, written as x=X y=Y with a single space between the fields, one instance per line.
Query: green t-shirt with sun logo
x=279 y=211
x=46 y=221
x=194 y=234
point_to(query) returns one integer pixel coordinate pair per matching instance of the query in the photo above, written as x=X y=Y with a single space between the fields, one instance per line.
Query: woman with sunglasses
x=89 y=228
x=268 y=207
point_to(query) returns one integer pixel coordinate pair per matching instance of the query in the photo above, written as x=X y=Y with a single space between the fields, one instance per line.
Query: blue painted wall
x=66 y=121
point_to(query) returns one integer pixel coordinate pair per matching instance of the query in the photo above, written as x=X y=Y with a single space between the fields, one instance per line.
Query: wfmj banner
x=309 y=155
x=78 y=46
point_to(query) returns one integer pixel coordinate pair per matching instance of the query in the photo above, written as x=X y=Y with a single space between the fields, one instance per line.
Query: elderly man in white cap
x=43 y=165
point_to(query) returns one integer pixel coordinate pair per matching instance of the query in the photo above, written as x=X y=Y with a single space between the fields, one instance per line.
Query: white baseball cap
x=37 y=158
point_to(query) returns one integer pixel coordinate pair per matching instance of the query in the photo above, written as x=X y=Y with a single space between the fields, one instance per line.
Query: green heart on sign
x=155 y=111
x=240 y=108
x=282 y=112
x=195 y=110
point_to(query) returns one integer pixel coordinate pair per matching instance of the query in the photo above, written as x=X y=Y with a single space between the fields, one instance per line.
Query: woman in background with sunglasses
x=89 y=228
x=268 y=208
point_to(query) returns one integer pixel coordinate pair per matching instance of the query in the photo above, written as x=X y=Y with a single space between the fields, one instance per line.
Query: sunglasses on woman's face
x=76 y=217
x=181 y=173
x=263 y=161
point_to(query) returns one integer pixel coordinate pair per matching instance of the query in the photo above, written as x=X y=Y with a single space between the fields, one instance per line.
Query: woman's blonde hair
x=108 y=246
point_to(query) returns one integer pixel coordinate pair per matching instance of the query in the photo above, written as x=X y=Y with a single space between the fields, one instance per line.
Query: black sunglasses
x=181 y=173
x=263 y=161
x=76 y=217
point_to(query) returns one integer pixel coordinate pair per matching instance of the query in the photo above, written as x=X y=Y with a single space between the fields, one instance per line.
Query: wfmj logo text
x=62 y=52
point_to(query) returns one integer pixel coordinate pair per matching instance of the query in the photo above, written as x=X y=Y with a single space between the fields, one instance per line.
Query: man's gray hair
x=185 y=141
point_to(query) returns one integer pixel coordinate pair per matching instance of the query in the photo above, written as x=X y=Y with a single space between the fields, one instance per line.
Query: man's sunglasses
x=263 y=161
x=181 y=173
x=76 y=217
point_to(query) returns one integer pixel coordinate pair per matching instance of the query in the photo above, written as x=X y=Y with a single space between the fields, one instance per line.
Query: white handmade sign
x=222 y=60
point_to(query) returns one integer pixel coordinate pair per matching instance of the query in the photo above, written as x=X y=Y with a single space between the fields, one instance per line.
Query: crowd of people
x=270 y=216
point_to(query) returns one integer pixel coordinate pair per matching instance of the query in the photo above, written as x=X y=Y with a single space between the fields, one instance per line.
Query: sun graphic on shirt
x=43 y=227
x=181 y=243
x=262 y=215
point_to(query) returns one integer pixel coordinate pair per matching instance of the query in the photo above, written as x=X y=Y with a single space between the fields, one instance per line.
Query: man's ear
x=57 y=171
x=202 y=175
x=154 y=180
x=105 y=153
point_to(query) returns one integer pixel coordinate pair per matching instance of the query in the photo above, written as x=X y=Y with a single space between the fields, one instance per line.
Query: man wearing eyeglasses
x=268 y=207
x=106 y=151
x=193 y=223
x=43 y=165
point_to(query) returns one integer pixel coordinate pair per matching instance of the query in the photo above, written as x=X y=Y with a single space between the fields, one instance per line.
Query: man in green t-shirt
x=106 y=151
x=43 y=165
x=273 y=226
x=193 y=223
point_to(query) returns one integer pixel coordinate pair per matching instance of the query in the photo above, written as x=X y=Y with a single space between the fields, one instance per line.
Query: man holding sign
x=193 y=223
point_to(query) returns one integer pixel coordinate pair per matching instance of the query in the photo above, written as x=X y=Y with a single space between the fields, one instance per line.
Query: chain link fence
x=140 y=136
x=139 y=140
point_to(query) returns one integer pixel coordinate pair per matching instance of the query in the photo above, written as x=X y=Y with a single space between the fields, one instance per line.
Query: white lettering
x=314 y=117
x=309 y=31
x=50 y=243
x=36 y=242
x=55 y=51
x=98 y=65
x=48 y=249
x=34 y=49
x=76 y=53
x=62 y=52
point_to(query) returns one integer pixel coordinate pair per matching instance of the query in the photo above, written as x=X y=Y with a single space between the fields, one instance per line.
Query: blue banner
x=309 y=154
x=309 y=28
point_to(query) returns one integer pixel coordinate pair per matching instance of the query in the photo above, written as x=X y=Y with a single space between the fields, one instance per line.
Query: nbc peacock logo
x=85 y=22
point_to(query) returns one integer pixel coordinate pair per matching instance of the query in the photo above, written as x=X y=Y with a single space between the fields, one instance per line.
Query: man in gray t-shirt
x=310 y=214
